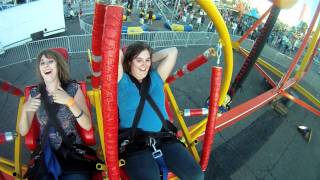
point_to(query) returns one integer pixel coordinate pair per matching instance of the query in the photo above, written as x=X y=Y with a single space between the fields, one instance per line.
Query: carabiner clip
x=156 y=152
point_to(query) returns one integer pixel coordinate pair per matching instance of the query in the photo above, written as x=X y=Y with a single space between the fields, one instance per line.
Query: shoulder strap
x=157 y=110
x=51 y=110
x=144 y=93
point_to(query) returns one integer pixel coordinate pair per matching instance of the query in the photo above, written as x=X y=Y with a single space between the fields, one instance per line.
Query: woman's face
x=140 y=65
x=48 y=69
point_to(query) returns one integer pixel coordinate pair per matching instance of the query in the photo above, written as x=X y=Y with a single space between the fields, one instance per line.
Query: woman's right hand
x=33 y=104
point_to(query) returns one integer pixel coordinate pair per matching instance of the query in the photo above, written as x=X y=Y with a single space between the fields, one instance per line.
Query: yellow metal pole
x=6 y=161
x=197 y=126
x=174 y=178
x=7 y=170
x=17 y=143
x=90 y=57
x=9 y=165
x=221 y=27
x=91 y=98
x=306 y=59
x=182 y=123
x=307 y=94
x=97 y=102
x=201 y=128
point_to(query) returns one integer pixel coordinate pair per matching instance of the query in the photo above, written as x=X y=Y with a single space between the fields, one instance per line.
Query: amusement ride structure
x=103 y=97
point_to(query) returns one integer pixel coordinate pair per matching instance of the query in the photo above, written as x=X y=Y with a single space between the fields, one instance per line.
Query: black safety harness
x=134 y=139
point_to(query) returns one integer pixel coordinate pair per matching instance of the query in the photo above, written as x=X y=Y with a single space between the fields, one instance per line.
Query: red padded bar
x=216 y=77
x=87 y=136
x=109 y=77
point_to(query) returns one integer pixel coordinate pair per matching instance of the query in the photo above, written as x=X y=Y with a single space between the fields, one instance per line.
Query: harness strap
x=157 y=110
x=163 y=167
x=52 y=125
x=144 y=93
x=158 y=156
x=51 y=110
x=146 y=82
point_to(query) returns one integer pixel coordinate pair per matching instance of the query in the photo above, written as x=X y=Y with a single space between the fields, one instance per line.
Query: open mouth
x=47 y=72
x=143 y=69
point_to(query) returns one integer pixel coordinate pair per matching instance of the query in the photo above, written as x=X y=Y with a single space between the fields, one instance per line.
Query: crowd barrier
x=81 y=43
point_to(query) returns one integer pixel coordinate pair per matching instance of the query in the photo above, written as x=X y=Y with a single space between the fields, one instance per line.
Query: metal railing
x=81 y=43
x=86 y=27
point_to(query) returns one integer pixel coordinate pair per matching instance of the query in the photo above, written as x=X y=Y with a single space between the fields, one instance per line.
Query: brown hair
x=132 y=52
x=62 y=65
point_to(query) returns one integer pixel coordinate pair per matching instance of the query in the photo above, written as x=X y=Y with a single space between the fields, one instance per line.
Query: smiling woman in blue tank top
x=137 y=63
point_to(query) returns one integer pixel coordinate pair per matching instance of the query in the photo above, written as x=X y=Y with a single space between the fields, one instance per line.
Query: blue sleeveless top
x=128 y=100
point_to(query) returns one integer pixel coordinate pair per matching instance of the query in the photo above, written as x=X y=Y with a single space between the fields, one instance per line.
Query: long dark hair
x=62 y=65
x=132 y=52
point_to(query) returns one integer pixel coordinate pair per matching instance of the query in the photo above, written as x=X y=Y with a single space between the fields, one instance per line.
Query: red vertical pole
x=97 y=32
x=216 y=75
x=109 y=83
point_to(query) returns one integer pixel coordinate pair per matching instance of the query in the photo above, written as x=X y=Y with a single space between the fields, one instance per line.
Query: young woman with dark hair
x=58 y=103
x=135 y=69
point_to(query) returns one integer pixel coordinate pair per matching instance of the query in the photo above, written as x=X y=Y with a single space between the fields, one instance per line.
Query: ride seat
x=32 y=137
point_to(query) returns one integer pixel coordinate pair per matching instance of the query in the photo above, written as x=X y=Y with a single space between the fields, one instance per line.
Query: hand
x=33 y=104
x=60 y=96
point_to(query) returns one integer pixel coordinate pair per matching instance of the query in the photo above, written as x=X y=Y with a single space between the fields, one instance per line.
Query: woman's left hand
x=60 y=96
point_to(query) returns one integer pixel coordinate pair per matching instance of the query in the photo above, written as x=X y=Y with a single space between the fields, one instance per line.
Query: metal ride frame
x=14 y=170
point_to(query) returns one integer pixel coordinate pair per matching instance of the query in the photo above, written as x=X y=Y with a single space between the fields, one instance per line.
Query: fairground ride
x=105 y=45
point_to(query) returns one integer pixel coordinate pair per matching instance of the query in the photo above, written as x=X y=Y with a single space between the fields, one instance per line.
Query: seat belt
x=144 y=93
x=51 y=110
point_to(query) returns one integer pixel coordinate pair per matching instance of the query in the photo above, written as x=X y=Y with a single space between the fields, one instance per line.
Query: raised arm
x=168 y=59
x=120 y=67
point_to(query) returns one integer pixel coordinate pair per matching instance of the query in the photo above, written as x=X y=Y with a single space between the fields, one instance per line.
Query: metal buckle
x=123 y=145
x=156 y=152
